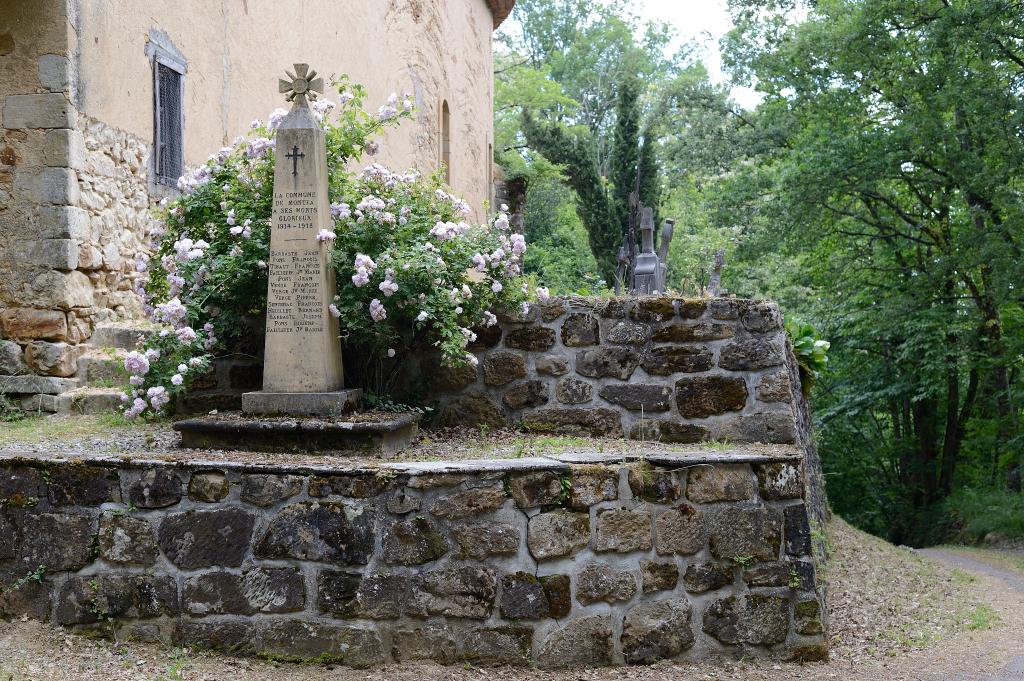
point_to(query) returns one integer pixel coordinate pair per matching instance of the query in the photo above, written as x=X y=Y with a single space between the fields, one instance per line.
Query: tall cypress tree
x=603 y=206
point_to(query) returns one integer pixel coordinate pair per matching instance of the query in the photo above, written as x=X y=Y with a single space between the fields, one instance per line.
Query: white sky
x=704 y=21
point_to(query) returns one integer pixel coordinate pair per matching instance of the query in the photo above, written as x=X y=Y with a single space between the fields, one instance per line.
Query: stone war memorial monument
x=303 y=376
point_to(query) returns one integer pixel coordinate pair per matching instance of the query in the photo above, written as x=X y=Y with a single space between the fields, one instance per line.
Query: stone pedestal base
x=368 y=433
x=327 y=405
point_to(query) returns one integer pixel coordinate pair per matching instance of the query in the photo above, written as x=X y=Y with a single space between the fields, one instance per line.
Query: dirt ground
x=895 y=615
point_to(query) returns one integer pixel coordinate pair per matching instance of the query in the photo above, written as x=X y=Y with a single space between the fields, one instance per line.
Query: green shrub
x=974 y=513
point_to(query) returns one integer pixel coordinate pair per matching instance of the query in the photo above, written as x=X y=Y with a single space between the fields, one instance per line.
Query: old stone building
x=103 y=104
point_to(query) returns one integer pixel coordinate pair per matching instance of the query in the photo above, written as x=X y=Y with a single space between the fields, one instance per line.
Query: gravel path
x=1014 y=671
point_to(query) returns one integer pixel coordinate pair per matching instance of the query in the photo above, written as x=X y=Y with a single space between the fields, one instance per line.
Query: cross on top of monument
x=302 y=85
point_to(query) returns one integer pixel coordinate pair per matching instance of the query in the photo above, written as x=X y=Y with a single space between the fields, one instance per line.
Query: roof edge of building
x=500 y=9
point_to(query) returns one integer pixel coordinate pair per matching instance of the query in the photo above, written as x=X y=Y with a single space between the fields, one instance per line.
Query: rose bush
x=411 y=268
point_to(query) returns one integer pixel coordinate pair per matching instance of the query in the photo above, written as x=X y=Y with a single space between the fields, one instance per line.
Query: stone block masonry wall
x=73 y=204
x=651 y=368
x=543 y=561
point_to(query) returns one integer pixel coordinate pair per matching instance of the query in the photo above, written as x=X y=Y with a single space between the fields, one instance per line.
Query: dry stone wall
x=545 y=561
x=650 y=368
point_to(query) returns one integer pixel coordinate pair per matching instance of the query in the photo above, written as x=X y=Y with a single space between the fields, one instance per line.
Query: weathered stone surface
x=628 y=333
x=25 y=323
x=47 y=110
x=531 y=393
x=508 y=645
x=760 y=316
x=679 y=530
x=692 y=333
x=724 y=308
x=600 y=582
x=755 y=618
x=84 y=600
x=336 y=593
x=155 y=488
x=557 y=589
x=467 y=591
x=770 y=574
x=535 y=338
x=580 y=329
x=668 y=431
x=607 y=362
x=798 y=531
x=82 y=485
x=434 y=480
x=399 y=502
x=552 y=309
x=656 y=631
x=774 y=388
x=808 y=652
x=258 y=590
x=470 y=502
x=429 y=642
x=592 y=484
x=721 y=482
x=656 y=576
x=583 y=642
x=325 y=532
x=807 y=617
x=299 y=640
x=196 y=539
x=745 y=532
x=471 y=409
x=672 y=359
x=361 y=486
x=443 y=378
x=503 y=367
x=523 y=597
x=639 y=396
x=12 y=361
x=479 y=541
x=703 y=577
x=597 y=422
x=267 y=490
x=778 y=481
x=552 y=365
x=52 y=359
x=623 y=531
x=413 y=542
x=653 y=484
x=654 y=309
x=557 y=534
x=539 y=488
x=702 y=396
x=8 y=538
x=772 y=427
x=57 y=541
x=30 y=383
x=572 y=390
x=234 y=637
x=31 y=599
x=21 y=486
x=691 y=308
x=128 y=540
x=752 y=354
x=210 y=486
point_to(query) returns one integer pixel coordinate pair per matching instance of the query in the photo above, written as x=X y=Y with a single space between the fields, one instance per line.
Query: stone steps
x=89 y=400
x=121 y=335
x=102 y=367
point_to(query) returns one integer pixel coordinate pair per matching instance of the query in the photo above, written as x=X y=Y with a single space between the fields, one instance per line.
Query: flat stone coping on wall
x=248 y=462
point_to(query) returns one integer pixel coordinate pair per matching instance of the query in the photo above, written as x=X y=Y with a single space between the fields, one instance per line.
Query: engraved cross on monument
x=302 y=370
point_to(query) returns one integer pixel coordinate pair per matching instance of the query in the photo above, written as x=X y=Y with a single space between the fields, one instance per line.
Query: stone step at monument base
x=368 y=432
x=127 y=335
x=87 y=400
x=327 y=405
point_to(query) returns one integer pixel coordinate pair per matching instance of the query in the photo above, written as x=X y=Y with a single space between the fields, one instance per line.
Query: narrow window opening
x=168 y=123
x=446 y=141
